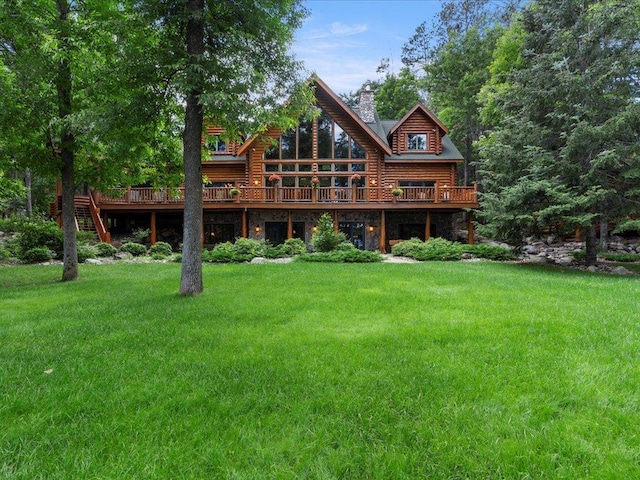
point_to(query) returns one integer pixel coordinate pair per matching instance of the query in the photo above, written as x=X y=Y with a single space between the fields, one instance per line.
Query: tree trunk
x=64 y=88
x=591 y=246
x=604 y=234
x=27 y=185
x=191 y=278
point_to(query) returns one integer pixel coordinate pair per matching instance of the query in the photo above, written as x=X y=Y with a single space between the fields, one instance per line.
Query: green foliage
x=294 y=246
x=343 y=255
x=433 y=249
x=105 y=249
x=161 y=248
x=397 y=94
x=38 y=234
x=325 y=238
x=5 y=253
x=85 y=252
x=490 y=252
x=36 y=255
x=620 y=257
x=135 y=249
x=564 y=153
x=221 y=253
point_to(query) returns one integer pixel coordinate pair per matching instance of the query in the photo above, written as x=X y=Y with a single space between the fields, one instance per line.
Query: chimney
x=366 y=104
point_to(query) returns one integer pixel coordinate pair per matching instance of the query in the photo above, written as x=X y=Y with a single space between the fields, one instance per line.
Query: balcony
x=428 y=197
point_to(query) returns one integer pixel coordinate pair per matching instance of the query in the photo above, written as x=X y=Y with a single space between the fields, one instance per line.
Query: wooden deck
x=293 y=197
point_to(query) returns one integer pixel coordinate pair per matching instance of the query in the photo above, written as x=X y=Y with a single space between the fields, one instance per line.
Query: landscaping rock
x=93 y=261
x=622 y=271
x=123 y=256
x=258 y=260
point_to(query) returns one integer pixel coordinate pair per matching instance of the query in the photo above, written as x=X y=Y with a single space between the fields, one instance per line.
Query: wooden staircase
x=84 y=219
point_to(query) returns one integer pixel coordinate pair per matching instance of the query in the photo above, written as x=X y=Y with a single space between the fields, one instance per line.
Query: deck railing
x=277 y=194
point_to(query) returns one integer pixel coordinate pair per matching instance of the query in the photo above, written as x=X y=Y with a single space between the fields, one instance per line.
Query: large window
x=218 y=233
x=417 y=141
x=276 y=232
x=333 y=142
x=216 y=144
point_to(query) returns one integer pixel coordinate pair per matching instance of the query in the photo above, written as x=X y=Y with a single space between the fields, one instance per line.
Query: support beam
x=289 y=225
x=335 y=220
x=154 y=230
x=382 y=241
x=470 y=228
x=427 y=226
x=245 y=230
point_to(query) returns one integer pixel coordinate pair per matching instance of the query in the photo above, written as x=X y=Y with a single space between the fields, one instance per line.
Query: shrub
x=293 y=246
x=352 y=255
x=37 y=255
x=39 y=235
x=491 y=252
x=84 y=236
x=4 y=252
x=161 y=248
x=248 y=248
x=105 y=249
x=433 y=249
x=135 y=249
x=221 y=253
x=620 y=257
x=345 y=247
x=326 y=239
x=274 y=252
x=85 y=252
x=141 y=234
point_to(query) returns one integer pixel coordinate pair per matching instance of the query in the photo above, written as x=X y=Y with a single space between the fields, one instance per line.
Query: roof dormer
x=418 y=132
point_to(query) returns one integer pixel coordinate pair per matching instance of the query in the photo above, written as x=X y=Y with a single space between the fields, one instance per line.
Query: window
x=354 y=232
x=216 y=144
x=416 y=141
x=218 y=233
x=276 y=232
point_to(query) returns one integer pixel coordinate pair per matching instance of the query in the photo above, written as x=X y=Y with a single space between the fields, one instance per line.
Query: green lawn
x=319 y=371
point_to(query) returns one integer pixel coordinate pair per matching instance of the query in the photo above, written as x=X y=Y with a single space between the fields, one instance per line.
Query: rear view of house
x=380 y=180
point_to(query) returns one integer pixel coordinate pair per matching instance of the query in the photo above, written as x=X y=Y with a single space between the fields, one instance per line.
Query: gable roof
x=380 y=142
x=424 y=110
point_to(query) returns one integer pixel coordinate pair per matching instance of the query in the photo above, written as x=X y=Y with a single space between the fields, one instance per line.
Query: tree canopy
x=566 y=152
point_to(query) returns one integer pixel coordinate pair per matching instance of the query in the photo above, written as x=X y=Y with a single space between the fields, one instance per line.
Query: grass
x=319 y=371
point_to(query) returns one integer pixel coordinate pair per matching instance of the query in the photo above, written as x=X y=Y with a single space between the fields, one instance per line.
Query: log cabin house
x=381 y=180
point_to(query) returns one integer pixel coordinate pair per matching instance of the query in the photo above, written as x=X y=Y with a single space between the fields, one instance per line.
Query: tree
x=73 y=109
x=452 y=53
x=397 y=94
x=228 y=63
x=566 y=153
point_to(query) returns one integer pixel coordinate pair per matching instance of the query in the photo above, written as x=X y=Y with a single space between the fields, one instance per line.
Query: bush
x=274 y=252
x=161 y=248
x=326 y=239
x=33 y=235
x=491 y=252
x=4 y=253
x=433 y=249
x=620 y=257
x=352 y=255
x=37 y=255
x=248 y=248
x=221 y=253
x=85 y=252
x=104 y=249
x=135 y=249
x=293 y=246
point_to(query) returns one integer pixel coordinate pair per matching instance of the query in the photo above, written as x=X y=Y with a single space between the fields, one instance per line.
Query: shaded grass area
x=378 y=371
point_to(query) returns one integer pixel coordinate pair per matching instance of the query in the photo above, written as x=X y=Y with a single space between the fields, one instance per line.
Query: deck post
x=154 y=232
x=470 y=228
x=382 y=241
x=427 y=226
x=245 y=232
x=289 y=225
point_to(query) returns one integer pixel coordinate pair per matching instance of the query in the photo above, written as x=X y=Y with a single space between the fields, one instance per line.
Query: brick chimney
x=366 y=104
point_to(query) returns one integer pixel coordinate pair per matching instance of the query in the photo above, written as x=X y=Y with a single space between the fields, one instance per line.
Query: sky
x=343 y=41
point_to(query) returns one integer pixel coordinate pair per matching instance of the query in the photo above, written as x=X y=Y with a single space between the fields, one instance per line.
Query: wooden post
x=427 y=226
x=382 y=241
x=289 y=225
x=470 y=228
x=154 y=231
x=245 y=231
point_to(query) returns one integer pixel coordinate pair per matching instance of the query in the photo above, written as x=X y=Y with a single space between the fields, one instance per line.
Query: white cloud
x=344 y=30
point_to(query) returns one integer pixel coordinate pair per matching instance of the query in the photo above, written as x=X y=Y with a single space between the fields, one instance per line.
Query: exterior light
x=258 y=229
x=371 y=228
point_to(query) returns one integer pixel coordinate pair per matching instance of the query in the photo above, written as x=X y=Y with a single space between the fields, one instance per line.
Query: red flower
x=274 y=177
